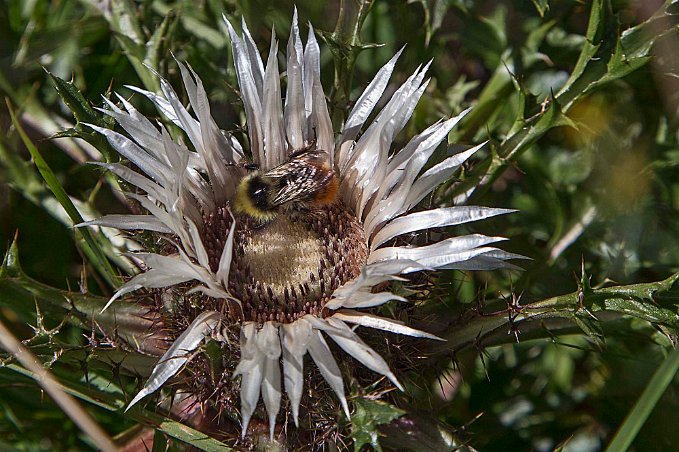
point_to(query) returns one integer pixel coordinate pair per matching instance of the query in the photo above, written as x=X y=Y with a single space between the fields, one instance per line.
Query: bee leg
x=261 y=224
x=297 y=210
x=310 y=145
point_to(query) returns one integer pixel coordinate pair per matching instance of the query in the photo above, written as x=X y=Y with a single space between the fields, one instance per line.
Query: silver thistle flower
x=289 y=284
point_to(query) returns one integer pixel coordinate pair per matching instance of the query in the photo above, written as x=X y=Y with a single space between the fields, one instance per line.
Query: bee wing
x=287 y=194
x=282 y=170
x=298 y=184
x=298 y=178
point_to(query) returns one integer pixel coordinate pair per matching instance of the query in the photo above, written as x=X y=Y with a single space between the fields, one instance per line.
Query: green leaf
x=345 y=45
x=23 y=178
x=533 y=42
x=636 y=418
x=492 y=96
x=63 y=38
x=369 y=415
x=91 y=246
x=552 y=117
x=124 y=19
x=621 y=64
x=75 y=101
x=21 y=294
x=9 y=447
x=156 y=45
x=631 y=51
x=21 y=172
x=595 y=28
x=421 y=432
x=159 y=442
x=637 y=41
x=434 y=12
x=599 y=63
x=128 y=32
x=195 y=21
x=591 y=326
x=136 y=55
x=520 y=120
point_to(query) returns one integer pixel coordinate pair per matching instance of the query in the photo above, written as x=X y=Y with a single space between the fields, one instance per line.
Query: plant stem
x=345 y=45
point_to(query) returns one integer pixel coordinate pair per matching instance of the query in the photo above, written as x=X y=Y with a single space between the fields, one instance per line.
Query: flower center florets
x=288 y=268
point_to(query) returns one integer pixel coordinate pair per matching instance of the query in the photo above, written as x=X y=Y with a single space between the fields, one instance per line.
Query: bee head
x=254 y=197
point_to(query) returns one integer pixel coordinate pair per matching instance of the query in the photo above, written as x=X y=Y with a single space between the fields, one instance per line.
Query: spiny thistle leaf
x=83 y=113
x=636 y=300
x=369 y=415
x=129 y=323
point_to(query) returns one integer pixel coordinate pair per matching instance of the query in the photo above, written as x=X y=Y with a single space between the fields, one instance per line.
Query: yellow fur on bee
x=242 y=202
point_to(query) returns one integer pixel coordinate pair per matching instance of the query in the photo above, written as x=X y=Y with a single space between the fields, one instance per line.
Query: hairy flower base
x=289 y=267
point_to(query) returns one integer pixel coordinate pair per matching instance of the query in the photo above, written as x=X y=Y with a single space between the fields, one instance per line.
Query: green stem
x=345 y=45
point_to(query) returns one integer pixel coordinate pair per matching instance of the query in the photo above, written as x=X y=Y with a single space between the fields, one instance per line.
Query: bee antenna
x=250 y=166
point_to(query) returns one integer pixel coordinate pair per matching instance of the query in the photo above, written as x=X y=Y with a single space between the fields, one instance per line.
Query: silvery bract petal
x=320 y=352
x=178 y=354
x=162 y=271
x=373 y=321
x=179 y=184
x=129 y=222
x=251 y=368
x=295 y=338
x=318 y=117
x=270 y=347
x=294 y=96
x=364 y=107
x=435 y=218
x=270 y=279
x=353 y=345
x=274 y=133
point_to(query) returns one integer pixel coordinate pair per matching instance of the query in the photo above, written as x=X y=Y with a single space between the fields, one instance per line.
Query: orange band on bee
x=328 y=193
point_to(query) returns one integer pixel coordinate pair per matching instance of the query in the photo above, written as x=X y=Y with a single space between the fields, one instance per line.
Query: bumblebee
x=304 y=182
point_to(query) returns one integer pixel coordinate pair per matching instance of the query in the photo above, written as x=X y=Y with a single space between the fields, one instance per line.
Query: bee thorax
x=302 y=183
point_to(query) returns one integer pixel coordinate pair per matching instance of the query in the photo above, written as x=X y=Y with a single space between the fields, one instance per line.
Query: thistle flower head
x=312 y=270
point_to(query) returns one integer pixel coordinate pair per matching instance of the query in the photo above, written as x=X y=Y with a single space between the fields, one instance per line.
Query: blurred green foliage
x=580 y=104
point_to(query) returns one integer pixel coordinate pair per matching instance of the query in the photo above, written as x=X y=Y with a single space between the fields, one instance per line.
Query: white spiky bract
x=378 y=186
